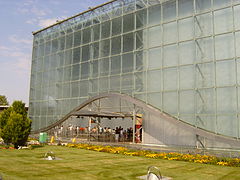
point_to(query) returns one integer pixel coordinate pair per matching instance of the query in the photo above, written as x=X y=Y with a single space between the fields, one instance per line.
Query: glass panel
x=60 y=57
x=205 y=49
x=105 y=48
x=226 y=100
x=60 y=74
x=127 y=62
x=95 y=68
x=85 y=53
x=75 y=89
x=154 y=36
x=104 y=66
x=83 y=88
x=103 y=84
x=128 y=23
x=237 y=35
x=223 y=20
x=168 y=105
x=129 y=7
x=170 y=81
x=187 y=52
x=140 y=81
x=154 y=15
x=221 y=3
x=75 y=72
x=115 y=83
x=186 y=105
x=155 y=99
x=206 y=99
x=227 y=125
x=170 y=56
x=237 y=14
x=224 y=46
x=186 y=29
x=47 y=47
x=140 y=60
x=105 y=30
x=139 y=39
x=77 y=38
x=84 y=70
x=128 y=42
x=62 y=43
x=41 y=50
x=39 y=64
x=203 y=25
x=69 y=41
x=185 y=8
x=39 y=79
x=66 y=90
x=76 y=55
x=67 y=73
x=170 y=32
x=127 y=81
x=93 y=85
x=187 y=74
x=202 y=5
x=54 y=46
x=225 y=72
x=116 y=45
x=238 y=74
x=154 y=81
x=96 y=32
x=96 y=50
x=140 y=97
x=205 y=75
x=116 y=26
x=116 y=65
x=141 y=18
x=86 y=35
x=68 y=57
x=155 y=58
x=169 y=10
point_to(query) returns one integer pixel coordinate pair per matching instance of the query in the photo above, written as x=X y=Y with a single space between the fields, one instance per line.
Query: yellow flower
x=151 y=155
x=222 y=163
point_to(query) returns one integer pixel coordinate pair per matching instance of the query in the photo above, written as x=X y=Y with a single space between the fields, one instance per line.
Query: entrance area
x=119 y=118
x=109 y=119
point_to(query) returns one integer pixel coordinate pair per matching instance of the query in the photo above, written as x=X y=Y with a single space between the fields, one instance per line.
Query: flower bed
x=203 y=159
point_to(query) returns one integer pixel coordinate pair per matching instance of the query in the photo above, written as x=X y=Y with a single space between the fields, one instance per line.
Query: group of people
x=118 y=134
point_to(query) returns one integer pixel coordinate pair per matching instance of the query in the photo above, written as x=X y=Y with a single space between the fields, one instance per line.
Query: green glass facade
x=180 y=56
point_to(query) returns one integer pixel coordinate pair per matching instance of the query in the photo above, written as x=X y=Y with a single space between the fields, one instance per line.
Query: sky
x=18 y=19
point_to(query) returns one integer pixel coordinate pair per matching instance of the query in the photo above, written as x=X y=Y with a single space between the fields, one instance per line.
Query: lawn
x=85 y=164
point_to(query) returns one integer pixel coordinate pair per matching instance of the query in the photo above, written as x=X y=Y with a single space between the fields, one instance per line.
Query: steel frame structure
x=209 y=81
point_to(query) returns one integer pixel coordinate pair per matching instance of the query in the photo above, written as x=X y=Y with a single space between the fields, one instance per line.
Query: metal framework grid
x=202 y=90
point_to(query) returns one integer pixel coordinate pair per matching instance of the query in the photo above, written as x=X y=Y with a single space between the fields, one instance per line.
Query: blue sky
x=19 y=18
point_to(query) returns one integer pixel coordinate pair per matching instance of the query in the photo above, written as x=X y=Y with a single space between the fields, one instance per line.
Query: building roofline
x=60 y=22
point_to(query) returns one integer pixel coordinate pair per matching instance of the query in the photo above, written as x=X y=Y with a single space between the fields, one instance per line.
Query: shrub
x=15 y=126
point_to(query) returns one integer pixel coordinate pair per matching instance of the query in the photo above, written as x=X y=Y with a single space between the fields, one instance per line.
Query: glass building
x=181 y=57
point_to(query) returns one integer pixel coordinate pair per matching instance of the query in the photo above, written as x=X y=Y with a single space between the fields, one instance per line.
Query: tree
x=15 y=126
x=3 y=100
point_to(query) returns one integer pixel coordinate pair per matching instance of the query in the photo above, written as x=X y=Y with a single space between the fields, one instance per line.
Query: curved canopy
x=79 y=111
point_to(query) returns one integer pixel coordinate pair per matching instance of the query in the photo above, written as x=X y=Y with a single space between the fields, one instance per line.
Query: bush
x=15 y=126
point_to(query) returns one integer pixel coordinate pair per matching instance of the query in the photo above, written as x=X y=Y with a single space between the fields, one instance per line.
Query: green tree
x=15 y=126
x=3 y=100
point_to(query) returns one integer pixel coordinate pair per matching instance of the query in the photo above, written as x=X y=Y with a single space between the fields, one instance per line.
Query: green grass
x=85 y=164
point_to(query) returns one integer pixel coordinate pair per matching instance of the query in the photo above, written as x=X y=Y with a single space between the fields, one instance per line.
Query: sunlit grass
x=85 y=164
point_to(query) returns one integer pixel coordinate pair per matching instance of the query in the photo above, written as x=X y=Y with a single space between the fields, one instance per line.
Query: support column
x=134 y=122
